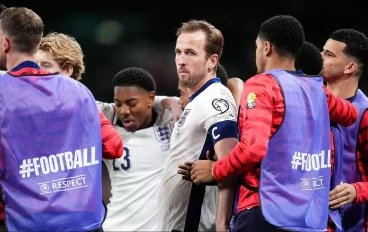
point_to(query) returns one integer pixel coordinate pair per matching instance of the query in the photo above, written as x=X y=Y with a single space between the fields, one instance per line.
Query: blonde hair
x=66 y=51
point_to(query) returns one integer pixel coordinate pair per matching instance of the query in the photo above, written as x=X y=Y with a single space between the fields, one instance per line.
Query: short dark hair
x=356 y=45
x=309 y=60
x=222 y=74
x=23 y=26
x=134 y=76
x=285 y=33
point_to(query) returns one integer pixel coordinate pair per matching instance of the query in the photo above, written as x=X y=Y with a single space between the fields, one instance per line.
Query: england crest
x=183 y=116
x=163 y=133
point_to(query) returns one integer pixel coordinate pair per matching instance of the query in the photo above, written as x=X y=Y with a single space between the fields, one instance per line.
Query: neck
x=280 y=63
x=16 y=58
x=197 y=86
x=343 y=87
x=147 y=121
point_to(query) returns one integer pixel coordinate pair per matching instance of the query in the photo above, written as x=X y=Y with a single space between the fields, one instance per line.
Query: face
x=191 y=63
x=260 y=60
x=184 y=96
x=335 y=62
x=46 y=61
x=133 y=106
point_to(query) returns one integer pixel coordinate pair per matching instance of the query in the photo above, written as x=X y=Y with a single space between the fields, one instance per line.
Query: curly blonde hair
x=66 y=51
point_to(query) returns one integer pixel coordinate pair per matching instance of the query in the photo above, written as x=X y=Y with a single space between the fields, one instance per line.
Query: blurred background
x=120 y=34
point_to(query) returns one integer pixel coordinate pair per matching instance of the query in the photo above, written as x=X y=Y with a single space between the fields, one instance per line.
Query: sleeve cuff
x=358 y=194
x=214 y=171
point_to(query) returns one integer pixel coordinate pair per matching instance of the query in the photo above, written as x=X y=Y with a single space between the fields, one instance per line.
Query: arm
x=108 y=110
x=226 y=187
x=341 y=111
x=112 y=144
x=256 y=130
x=218 y=117
x=357 y=192
x=106 y=184
x=164 y=102
x=158 y=103
x=236 y=85
x=362 y=187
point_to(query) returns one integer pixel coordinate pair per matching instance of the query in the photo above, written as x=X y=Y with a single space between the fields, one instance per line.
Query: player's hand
x=173 y=104
x=342 y=195
x=176 y=110
x=202 y=171
x=185 y=169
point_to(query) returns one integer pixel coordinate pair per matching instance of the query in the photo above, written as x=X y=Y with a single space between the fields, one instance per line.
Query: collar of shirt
x=26 y=64
x=208 y=83
x=28 y=68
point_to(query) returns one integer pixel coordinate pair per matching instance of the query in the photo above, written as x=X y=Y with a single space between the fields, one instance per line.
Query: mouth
x=127 y=123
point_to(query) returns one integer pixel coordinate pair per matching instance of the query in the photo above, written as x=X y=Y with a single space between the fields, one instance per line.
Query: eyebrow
x=45 y=62
x=129 y=100
x=326 y=50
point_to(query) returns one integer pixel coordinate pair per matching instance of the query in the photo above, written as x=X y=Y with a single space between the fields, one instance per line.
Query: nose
x=124 y=110
x=179 y=59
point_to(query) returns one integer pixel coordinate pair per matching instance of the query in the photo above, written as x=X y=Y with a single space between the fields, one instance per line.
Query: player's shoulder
x=217 y=98
x=105 y=106
x=108 y=110
x=261 y=78
x=214 y=91
x=262 y=82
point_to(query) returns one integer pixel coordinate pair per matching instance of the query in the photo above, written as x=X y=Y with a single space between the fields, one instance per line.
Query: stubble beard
x=192 y=80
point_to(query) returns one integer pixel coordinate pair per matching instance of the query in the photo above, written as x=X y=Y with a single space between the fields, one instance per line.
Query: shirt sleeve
x=257 y=103
x=362 y=160
x=341 y=111
x=157 y=103
x=108 y=110
x=218 y=116
x=112 y=144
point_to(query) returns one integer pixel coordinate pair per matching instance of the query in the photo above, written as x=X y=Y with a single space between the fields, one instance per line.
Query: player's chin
x=132 y=127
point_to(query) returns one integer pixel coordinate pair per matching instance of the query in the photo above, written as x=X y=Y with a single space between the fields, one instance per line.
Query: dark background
x=117 y=35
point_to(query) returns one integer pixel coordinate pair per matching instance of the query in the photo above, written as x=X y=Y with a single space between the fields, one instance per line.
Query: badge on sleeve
x=251 y=100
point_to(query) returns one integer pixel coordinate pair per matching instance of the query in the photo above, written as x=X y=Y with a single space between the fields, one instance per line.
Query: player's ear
x=151 y=98
x=68 y=71
x=213 y=60
x=267 y=48
x=351 y=67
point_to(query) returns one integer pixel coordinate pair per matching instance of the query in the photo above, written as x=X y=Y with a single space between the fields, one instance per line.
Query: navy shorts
x=252 y=220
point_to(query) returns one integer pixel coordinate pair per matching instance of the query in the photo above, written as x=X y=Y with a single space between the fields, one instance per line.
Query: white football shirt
x=135 y=177
x=208 y=118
